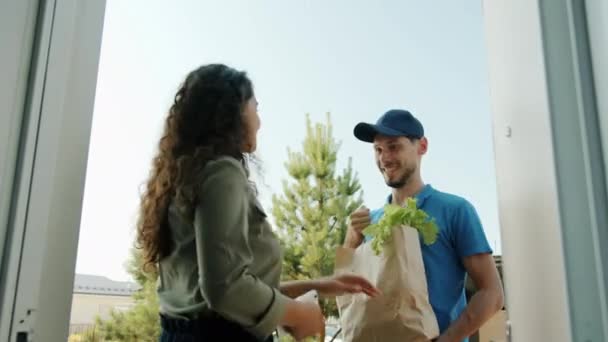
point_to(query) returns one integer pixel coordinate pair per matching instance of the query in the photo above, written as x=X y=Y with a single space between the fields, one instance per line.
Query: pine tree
x=140 y=323
x=311 y=214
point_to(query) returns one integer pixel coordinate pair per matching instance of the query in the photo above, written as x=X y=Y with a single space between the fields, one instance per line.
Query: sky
x=353 y=59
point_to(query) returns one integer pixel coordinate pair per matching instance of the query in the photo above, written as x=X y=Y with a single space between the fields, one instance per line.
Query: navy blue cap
x=394 y=123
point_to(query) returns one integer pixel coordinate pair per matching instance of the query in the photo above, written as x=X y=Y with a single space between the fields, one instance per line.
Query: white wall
x=551 y=176
x=533 y=266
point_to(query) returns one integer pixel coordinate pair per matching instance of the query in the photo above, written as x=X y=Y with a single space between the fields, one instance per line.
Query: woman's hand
x=341 y=284
x=303 y=320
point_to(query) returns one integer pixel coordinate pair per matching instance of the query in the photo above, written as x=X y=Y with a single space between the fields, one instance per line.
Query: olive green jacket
x=225 y=258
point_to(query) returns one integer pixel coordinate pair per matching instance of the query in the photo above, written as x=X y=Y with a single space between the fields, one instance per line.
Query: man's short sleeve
x=469 y=237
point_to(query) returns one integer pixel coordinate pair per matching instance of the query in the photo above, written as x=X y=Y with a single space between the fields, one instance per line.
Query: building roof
x=99 y=285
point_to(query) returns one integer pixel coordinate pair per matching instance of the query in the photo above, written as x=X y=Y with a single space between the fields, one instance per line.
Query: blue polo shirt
x=460 y=235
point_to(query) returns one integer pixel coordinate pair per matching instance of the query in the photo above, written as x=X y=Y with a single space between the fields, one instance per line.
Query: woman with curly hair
x=203 y=231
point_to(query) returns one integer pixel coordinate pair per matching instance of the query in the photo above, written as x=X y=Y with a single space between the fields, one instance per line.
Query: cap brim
x=367 y=132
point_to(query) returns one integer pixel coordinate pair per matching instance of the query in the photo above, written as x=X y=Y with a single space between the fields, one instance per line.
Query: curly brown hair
x=204 y=122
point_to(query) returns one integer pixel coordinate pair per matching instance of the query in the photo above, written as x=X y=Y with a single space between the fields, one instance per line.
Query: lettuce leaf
x=395 y=216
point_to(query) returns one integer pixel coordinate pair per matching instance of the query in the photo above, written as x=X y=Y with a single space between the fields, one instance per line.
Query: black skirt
x=211 y=328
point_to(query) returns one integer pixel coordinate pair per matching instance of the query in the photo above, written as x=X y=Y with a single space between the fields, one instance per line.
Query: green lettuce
x=395 y=216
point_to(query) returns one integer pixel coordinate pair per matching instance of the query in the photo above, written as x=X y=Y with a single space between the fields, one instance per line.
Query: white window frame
x=597 y=22
x=46 y=160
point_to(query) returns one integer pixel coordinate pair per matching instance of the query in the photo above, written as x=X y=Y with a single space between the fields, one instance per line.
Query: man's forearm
x=296 y=288
x=483 y=305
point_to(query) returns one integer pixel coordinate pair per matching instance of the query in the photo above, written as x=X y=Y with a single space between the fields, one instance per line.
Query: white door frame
x=46 y=162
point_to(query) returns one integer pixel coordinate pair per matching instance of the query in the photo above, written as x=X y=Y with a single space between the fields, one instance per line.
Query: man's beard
x=403 y=180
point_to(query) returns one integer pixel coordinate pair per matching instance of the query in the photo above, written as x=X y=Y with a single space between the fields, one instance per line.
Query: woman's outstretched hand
x=341 y=284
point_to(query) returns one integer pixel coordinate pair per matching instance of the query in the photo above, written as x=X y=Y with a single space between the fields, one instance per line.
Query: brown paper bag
x=402 y=312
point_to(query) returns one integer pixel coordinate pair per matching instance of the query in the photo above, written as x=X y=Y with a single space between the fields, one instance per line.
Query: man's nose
x=384 y=159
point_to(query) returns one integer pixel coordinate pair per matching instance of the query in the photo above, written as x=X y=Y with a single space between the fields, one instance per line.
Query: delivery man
x=461 y=247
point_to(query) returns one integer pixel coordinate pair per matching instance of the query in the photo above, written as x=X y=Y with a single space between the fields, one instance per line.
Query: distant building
x=96 y=296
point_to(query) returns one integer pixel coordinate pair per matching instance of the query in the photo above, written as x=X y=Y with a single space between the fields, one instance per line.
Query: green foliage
x=311 y=214
x=139 y=323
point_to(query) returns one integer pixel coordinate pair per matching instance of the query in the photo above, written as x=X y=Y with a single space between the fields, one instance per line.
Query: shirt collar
x=421 y=196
